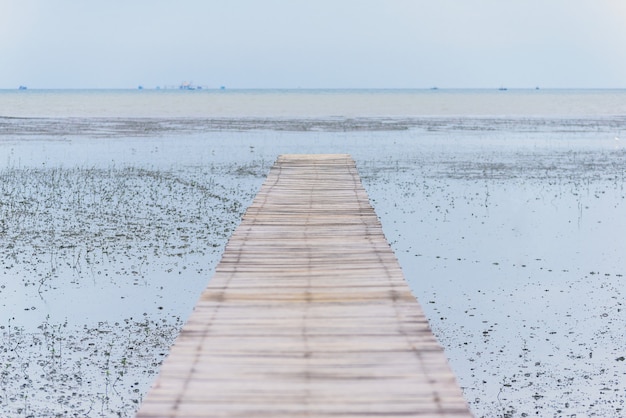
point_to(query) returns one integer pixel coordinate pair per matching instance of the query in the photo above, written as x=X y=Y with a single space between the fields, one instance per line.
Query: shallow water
x=508 y=229
x=520 y=270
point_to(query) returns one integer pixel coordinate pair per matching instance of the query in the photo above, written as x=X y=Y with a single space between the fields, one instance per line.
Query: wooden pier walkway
x=308 y=314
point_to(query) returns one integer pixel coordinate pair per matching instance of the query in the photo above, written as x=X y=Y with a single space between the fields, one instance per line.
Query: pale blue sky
x=313 y=44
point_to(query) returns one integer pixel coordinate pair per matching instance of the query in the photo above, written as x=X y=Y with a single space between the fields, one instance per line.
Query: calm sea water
x=311 y=103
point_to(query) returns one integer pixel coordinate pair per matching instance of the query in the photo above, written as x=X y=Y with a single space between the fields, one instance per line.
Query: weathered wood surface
x=307 y=315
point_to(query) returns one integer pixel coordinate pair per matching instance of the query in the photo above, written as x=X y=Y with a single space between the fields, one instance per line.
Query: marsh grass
x=81 y=216
x=122 y=233
x=64 y=370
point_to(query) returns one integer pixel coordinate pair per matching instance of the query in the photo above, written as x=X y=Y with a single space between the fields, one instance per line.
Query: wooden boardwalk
x=307 y=315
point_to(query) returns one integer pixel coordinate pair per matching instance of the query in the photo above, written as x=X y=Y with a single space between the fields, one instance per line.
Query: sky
x=313 y=43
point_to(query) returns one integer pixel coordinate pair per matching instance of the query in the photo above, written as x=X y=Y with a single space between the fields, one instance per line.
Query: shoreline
x=151 y=127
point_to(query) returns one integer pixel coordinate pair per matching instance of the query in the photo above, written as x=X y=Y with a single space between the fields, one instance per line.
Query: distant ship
x=22 y=88
x=185 y=85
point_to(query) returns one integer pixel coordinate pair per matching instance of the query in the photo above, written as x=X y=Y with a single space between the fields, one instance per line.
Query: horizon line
x=224 y=88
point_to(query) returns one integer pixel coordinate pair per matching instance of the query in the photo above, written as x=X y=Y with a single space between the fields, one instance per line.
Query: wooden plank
x=308 y=314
